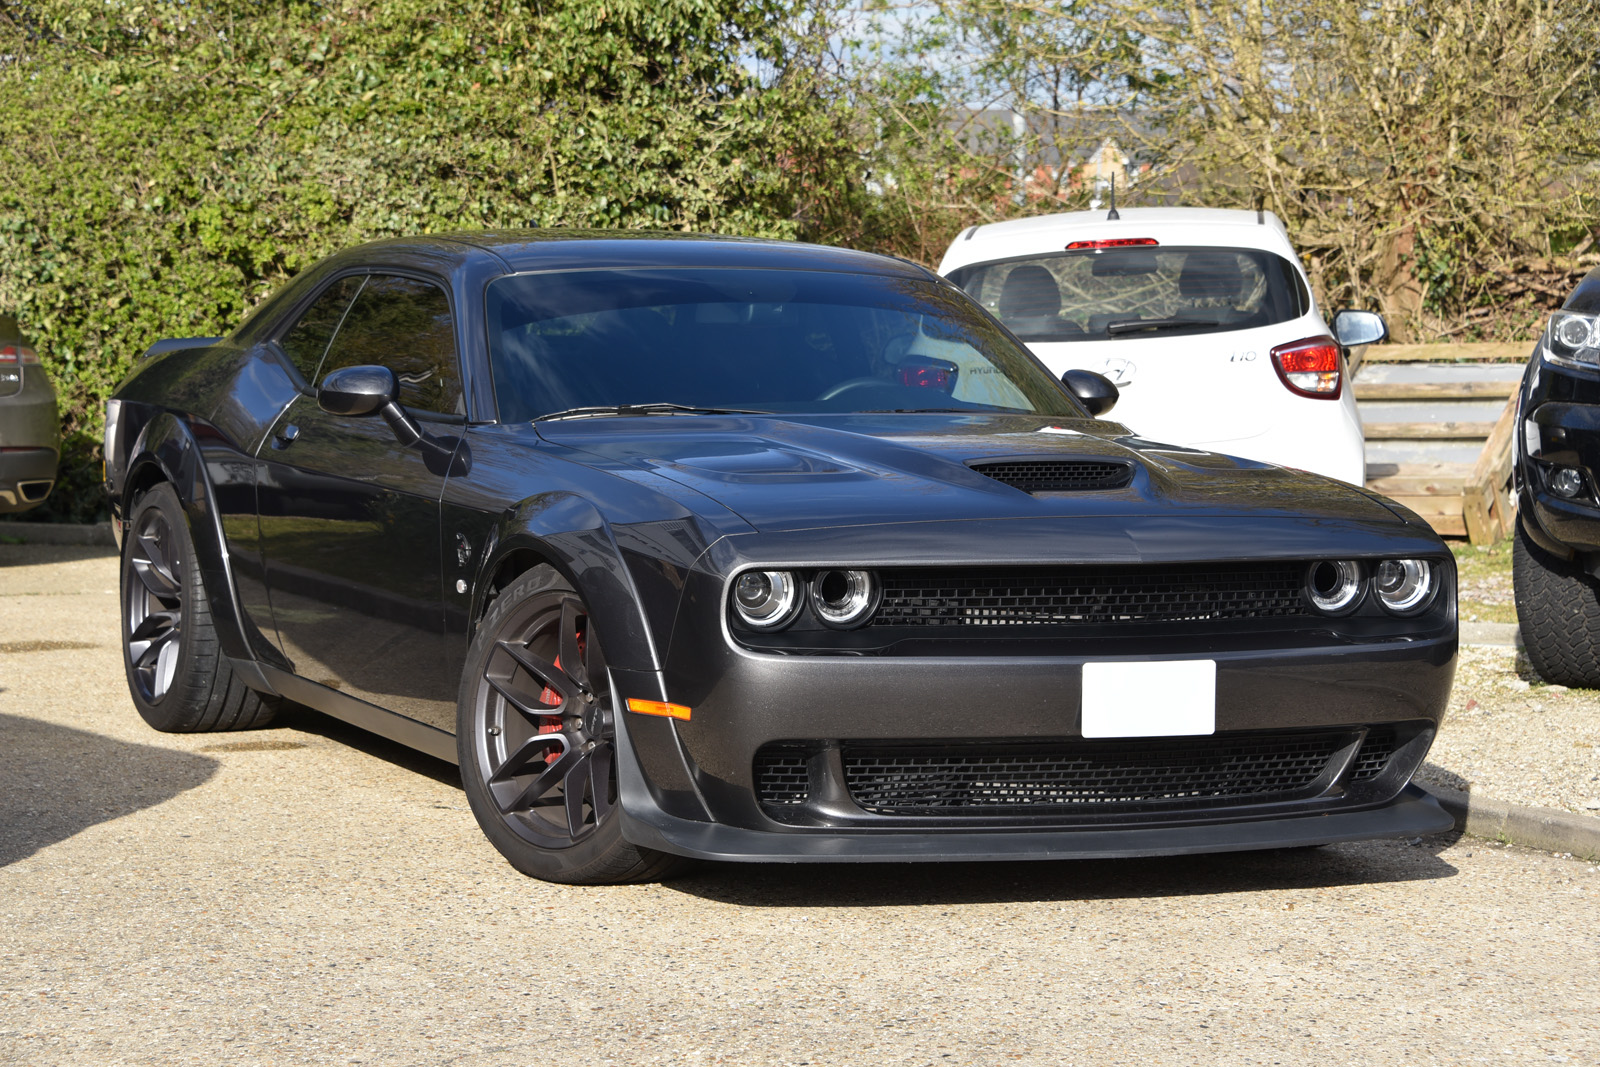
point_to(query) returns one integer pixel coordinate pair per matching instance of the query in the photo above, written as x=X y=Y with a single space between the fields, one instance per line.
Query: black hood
x=813 y=472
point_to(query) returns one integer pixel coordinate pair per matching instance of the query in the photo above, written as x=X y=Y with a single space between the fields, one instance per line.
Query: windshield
x=754 y=341
x=1137 y=292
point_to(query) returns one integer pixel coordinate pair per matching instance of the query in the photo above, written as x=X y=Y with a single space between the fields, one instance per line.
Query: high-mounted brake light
x=925 y=377
x=1310 y=367
x=18 y=354
x=1114 y=242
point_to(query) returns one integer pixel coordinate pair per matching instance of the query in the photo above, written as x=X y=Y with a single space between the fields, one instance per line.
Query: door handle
x=285 y=437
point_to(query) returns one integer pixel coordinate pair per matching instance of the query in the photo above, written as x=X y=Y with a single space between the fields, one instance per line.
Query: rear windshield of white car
x=1102 y=294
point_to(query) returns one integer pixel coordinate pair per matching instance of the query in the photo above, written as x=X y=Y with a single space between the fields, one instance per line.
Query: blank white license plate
x=1172 y=698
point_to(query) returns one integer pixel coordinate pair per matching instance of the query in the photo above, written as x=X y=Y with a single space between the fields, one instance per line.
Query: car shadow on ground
x=306 y=720
x=877 y=885
x=28 y=555
x=56 y=782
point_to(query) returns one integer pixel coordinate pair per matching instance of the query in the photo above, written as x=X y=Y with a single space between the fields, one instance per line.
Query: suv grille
x=1057 y=475
x=1091 y=596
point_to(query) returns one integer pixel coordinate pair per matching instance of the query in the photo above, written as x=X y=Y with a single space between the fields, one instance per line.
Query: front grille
x=1057 y=475
x=782 y=777
x=1091 y=595
x=1089 y=776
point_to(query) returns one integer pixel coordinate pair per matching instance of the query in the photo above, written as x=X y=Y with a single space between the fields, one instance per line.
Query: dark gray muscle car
x=746 y=550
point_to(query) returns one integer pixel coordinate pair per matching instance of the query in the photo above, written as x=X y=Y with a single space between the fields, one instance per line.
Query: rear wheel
x=536 y=734
x=1558 y=607
x=177 y=675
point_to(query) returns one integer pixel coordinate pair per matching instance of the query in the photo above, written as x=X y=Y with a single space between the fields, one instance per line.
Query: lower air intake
x=1090 y=776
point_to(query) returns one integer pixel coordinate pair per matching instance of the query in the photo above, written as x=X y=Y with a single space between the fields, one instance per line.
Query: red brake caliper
x=549 y=697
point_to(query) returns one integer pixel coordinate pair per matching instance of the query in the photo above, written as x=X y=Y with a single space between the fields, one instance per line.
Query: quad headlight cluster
x=840 y=599
x=1401 y=586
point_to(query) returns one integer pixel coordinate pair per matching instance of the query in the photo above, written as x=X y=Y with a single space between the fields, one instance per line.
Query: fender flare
x=569 y=533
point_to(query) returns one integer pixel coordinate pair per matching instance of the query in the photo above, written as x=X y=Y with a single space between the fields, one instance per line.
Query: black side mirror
x=1095 y=391
x=363 y=390
x=1352 y=329
x=358 y=390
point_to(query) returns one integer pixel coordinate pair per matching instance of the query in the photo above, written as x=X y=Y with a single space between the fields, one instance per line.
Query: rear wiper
x=1140 y=325
x=662 y=408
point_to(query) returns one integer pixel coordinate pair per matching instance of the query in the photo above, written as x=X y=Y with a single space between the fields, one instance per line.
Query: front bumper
x=647 y=824
x=692 y=787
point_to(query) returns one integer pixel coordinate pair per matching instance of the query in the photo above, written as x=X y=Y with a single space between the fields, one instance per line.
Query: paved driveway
x=310 y=895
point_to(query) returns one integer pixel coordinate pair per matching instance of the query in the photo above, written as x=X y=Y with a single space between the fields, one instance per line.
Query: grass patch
x=1483 y=575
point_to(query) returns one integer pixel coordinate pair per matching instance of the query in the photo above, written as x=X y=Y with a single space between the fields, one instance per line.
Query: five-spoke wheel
x=536 y=733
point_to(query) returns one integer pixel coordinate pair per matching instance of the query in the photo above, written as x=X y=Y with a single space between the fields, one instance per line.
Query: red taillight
x=1114 y=242
x=929 y=377
x=1310 y=367
x=17 y=354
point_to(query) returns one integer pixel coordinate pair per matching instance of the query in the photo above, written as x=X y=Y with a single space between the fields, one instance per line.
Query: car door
x=350 y=517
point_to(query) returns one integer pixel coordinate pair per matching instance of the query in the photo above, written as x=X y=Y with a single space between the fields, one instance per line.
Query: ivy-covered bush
x=165 y=164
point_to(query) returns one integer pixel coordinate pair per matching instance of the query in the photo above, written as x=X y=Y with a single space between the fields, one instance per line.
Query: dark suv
x=1557 y=554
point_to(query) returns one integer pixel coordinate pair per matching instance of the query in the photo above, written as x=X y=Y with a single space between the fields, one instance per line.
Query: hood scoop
x=1057 y=475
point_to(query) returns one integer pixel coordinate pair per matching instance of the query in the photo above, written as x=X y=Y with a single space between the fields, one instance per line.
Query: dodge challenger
x=691 y=547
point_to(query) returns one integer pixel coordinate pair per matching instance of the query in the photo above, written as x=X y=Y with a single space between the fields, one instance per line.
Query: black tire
x=177 y=675
x=1558 y=607
x=536 y=735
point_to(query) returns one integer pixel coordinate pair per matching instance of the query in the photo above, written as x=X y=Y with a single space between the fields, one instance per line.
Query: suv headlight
x=1572 y=340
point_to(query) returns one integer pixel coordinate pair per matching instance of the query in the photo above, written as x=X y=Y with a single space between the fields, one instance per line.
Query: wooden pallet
x=1470 y=500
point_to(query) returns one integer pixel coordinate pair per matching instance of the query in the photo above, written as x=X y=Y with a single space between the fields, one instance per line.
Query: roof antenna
x=1261 y=217
x=1112 y=216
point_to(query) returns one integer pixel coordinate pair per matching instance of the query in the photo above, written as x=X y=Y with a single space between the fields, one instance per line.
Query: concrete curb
x=1497 y=634
x=57 y=533
x=1541 y=828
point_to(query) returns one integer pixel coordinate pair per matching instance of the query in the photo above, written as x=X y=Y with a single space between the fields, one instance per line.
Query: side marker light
x=658 y=707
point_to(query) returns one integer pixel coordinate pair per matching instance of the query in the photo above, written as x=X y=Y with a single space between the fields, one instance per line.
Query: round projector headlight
x=766 y=600
x=844 y=599
x=1334 y=585
x=1405 y=586
x=1572 y=330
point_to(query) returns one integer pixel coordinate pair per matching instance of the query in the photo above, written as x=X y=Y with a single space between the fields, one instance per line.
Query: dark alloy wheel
x=154 y=599
x=536 y=734
x=177 y=675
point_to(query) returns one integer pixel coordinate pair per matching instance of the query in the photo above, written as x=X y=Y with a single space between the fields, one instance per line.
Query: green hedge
x=166 y=165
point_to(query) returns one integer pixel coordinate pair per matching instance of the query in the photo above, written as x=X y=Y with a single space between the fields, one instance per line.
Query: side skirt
x=359 y=713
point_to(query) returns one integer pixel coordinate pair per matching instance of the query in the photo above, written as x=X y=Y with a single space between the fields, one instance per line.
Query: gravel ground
x=313 y=895
x=1509 y=736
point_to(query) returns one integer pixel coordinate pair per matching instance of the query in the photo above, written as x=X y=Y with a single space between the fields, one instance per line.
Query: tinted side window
x=308 y=339
x=405 y=325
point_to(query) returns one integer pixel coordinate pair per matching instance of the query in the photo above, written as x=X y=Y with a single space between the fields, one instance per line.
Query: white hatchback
x=1201 y=317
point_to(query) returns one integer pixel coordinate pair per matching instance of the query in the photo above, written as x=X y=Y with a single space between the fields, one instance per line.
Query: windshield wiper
x=662 y=408
x=1123 y=326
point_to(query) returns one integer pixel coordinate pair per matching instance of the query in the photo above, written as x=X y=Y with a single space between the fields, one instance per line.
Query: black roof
x=523 y=250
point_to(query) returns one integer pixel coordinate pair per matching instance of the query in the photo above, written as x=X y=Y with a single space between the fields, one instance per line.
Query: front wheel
x=1558 y=606
x=536 y=735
